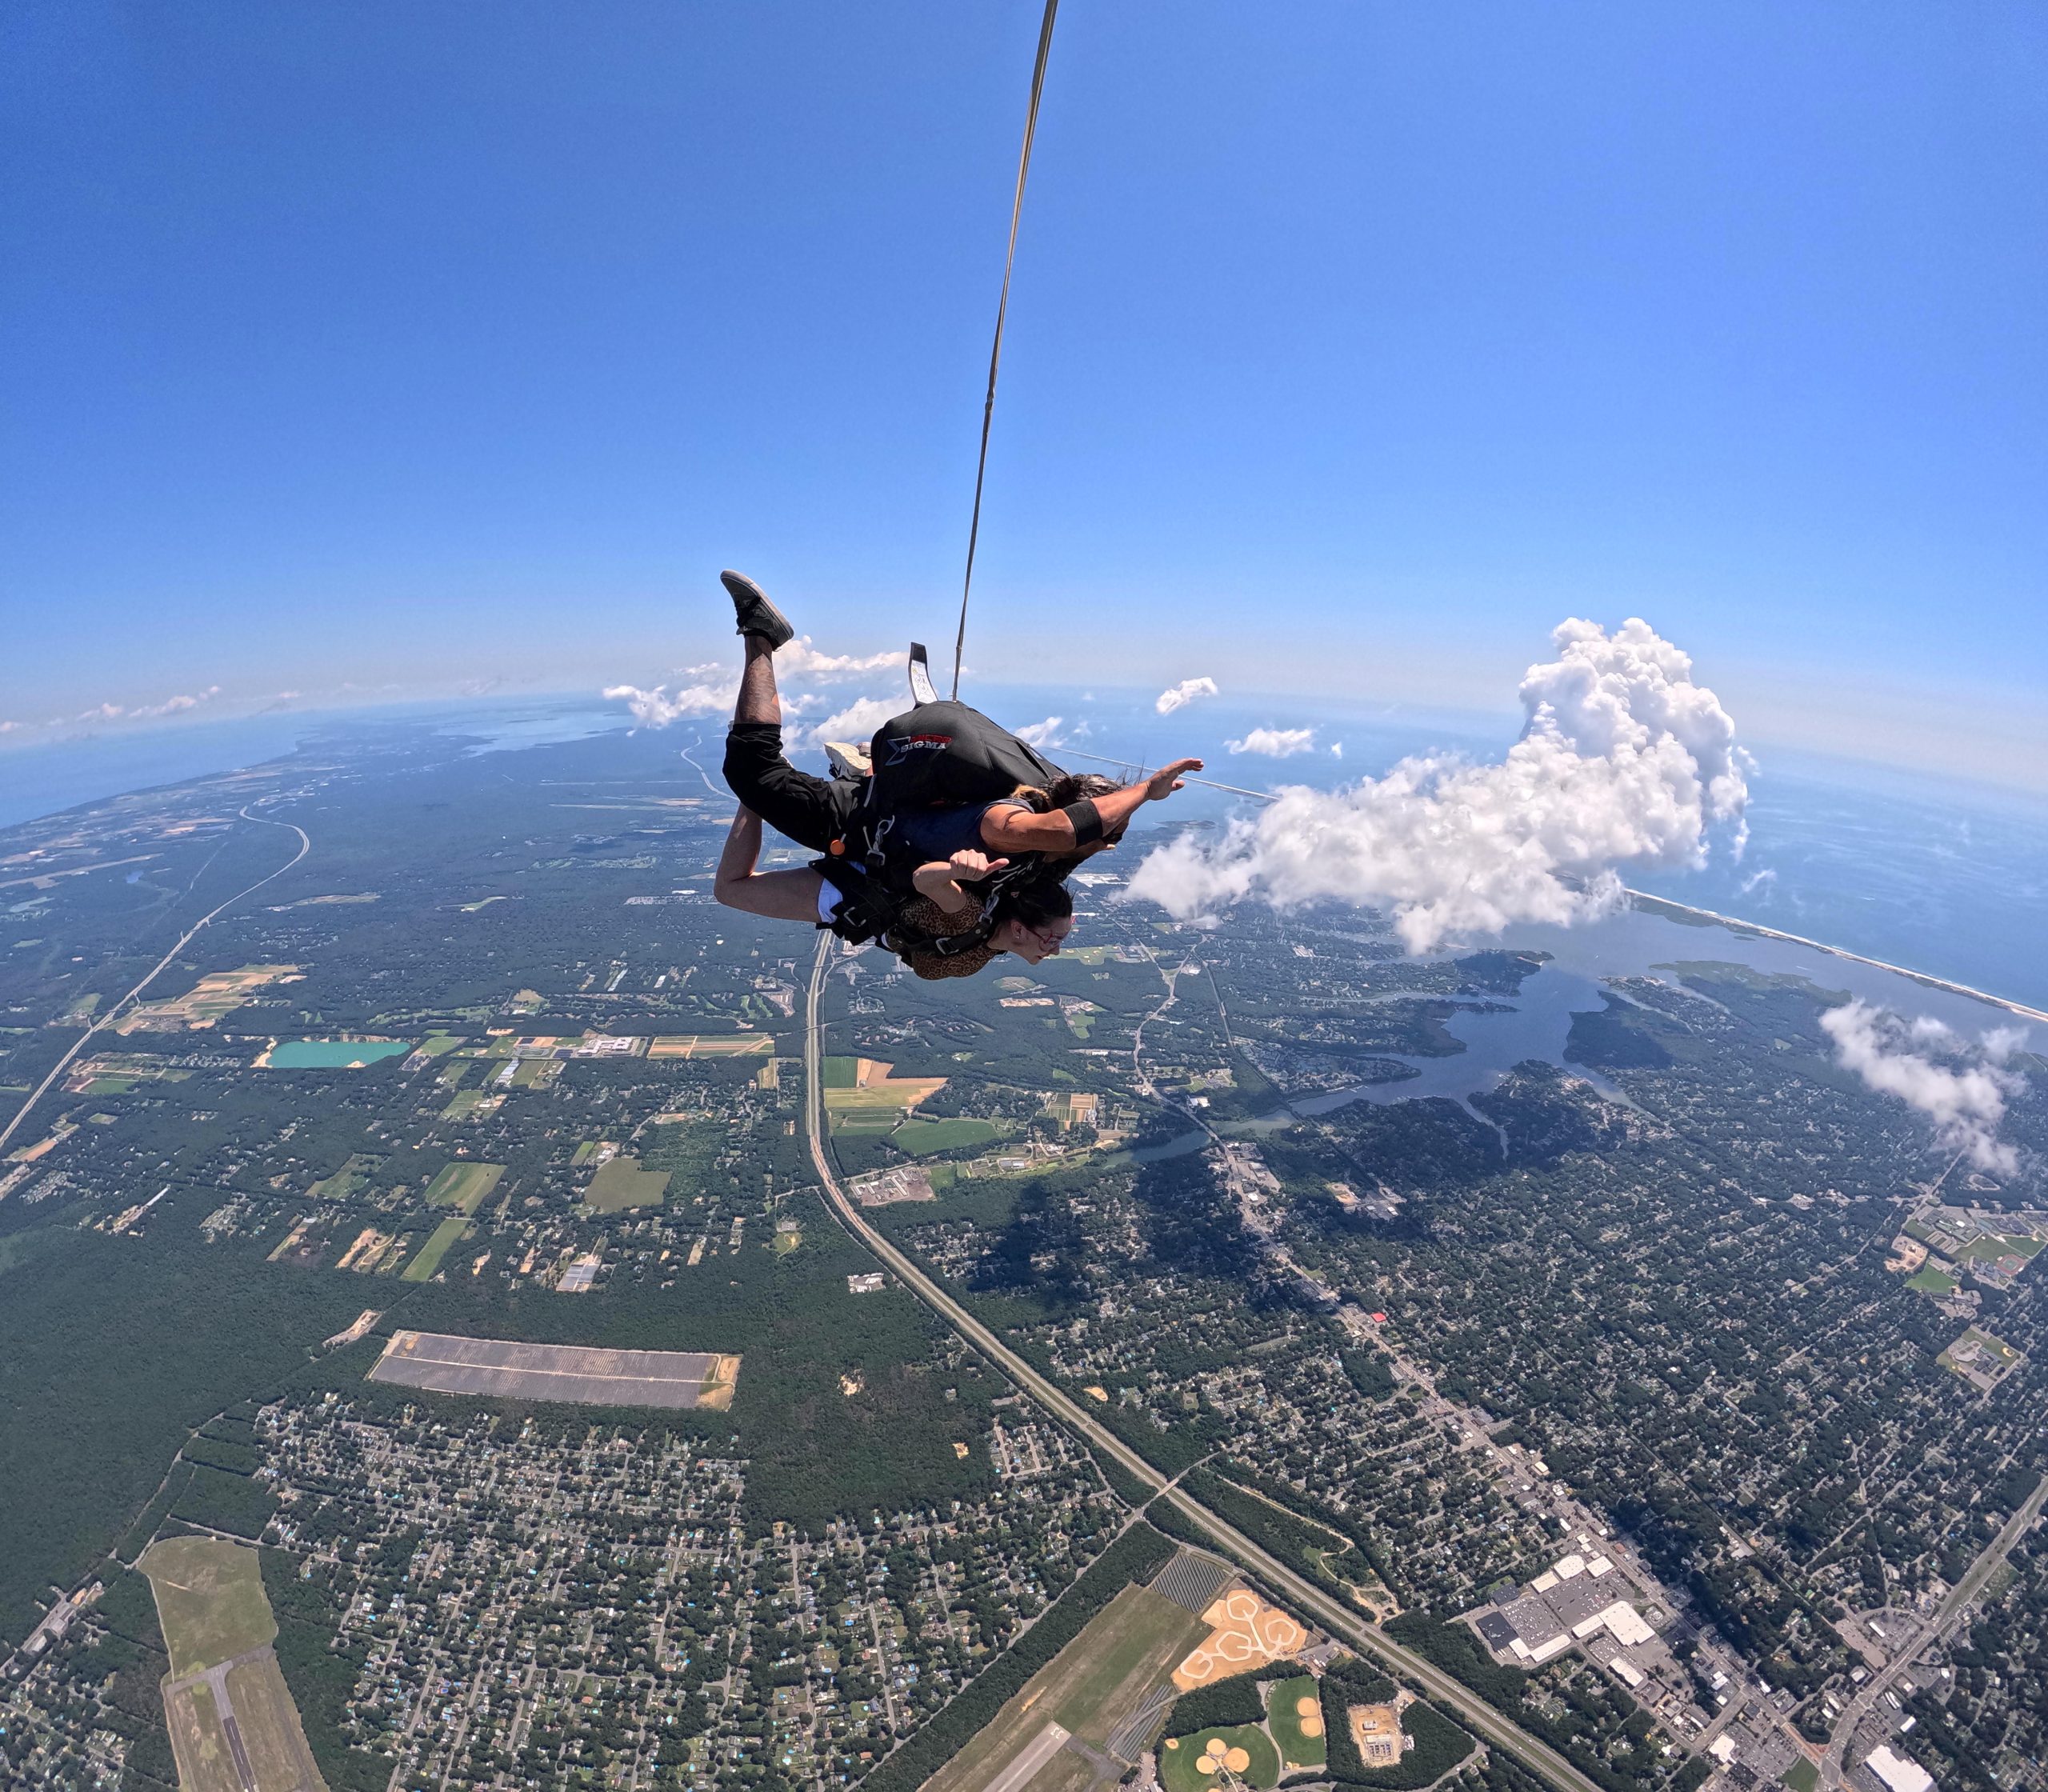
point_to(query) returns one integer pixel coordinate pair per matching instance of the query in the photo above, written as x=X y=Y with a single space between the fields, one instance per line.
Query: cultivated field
x=438 y=1244
x=465 y=1185
x=504 y=1369
x=217 y=994
x=1089 y=1688
x=712 y=1045
x=210 y=1601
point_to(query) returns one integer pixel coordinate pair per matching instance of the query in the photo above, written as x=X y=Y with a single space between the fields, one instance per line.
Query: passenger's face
x=1033 y=944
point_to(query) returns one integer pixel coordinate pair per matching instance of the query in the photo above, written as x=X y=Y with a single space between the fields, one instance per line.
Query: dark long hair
x=1036 y=902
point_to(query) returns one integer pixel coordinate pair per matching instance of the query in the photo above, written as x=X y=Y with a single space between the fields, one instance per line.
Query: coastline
x=1643 y=900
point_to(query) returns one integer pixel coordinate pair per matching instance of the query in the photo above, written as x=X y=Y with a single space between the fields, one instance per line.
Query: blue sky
x=389 y=348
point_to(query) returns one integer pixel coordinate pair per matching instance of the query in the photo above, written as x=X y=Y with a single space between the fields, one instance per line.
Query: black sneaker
x=756 y=614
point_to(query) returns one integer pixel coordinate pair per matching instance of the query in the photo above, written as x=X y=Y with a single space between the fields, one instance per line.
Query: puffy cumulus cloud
x=858 y=721
x=1276 y=743
x=1961 y=1085
x=1049 y=734
x=1623 y=760
x=1184 y=694
x=700 y=690
x=798 y=659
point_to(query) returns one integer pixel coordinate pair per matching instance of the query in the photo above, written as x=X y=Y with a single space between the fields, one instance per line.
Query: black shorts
x=812 y=811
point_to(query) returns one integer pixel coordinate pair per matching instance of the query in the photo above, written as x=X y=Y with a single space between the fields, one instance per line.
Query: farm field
x=1098 y=1679
x=439 y=1242
x=712 y=1045
x=465 y=1185
x=621 y=1183
x=218 y=993
x=210 y=1601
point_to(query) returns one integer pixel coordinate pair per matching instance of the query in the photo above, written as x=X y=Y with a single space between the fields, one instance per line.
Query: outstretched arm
x=791 y=895
x=1019 y=830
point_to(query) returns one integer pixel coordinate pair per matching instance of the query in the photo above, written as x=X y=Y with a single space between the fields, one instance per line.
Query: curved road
x=64 y=1063
x=1334 y=1616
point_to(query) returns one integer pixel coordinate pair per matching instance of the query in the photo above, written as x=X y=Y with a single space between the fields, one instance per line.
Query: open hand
x=969 y=866
x=1162 y=783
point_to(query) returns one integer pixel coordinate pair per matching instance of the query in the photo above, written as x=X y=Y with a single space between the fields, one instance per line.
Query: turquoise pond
x=333 y=1054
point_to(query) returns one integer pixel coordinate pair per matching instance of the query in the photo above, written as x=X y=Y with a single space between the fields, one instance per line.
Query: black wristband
x=1087 y=820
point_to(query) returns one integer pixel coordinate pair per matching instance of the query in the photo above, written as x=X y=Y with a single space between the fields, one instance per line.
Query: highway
x=1961 y=1597
x=1327 y=1611
x=63 y=1063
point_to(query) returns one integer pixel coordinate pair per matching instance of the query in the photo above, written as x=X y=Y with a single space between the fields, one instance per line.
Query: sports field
x=621 y=1183
x=1198 y=1762
x=712 y=1045
x=1294 y=1715
x=1089 y=1687
x=504 y=1369
x=464 y=1186
x=210 y=1601
x=438 y=1244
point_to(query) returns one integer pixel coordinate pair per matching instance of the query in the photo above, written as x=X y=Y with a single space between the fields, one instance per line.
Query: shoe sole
x=750 y=600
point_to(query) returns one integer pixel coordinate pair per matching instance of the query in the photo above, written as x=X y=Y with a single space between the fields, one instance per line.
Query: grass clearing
x=349 y=1181
x=918 y=1137
x=210 y=1601
x=622 y=1183
x=271 y=1732
x=465 y=1185
x=1802 y=1776
x=1089 y=1686
x=198 y=1742
x=1930 y=1281
x=439 y=1242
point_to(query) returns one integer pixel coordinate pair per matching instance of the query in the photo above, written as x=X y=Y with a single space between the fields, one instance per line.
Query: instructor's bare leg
x=758 y=699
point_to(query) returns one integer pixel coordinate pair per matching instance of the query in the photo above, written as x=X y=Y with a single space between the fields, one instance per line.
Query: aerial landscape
x=1384 y=1126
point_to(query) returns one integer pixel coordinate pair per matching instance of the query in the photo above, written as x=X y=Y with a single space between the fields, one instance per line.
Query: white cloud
x=660 y=706
x=1183 y=693
x=1043 y=734
x=1623 y=760
x=701 y=691
x=177 y=705
x=1337 y=749
x=1961 y=1085
x=798 y=659
x=1758 y=880
x=859 y=721
x=1276 y=743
